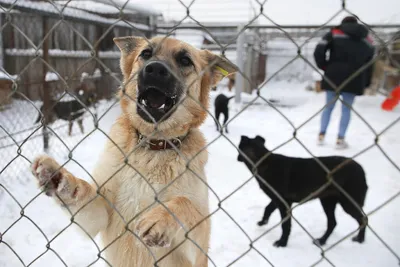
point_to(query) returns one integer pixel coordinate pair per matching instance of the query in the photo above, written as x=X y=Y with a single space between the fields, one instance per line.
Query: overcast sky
x=282 y=11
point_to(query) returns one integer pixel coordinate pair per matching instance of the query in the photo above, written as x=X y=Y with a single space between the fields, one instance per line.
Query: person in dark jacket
x=350 y=49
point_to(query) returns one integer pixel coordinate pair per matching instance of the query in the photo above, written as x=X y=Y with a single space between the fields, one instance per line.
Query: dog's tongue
x=155 y=99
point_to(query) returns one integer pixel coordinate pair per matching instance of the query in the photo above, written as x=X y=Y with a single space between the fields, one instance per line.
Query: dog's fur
x=381 y=67
x=221 y=106
x=132 y=178
x=231 y=82
x=69 y=110
x=294 y=179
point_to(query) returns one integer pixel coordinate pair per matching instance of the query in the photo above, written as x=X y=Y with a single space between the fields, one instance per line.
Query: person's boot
x=321 y=140
x=341 y=144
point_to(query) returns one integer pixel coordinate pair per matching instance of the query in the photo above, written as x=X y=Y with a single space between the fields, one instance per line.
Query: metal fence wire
x=58 y=52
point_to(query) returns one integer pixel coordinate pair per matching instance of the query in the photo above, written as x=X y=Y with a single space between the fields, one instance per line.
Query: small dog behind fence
x=72 y=110
x=221 y=103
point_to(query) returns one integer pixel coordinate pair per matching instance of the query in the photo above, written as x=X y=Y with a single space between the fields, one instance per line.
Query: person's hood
x=354 y=30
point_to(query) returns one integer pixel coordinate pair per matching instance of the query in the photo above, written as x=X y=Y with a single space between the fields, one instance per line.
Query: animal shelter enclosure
x=60 y=93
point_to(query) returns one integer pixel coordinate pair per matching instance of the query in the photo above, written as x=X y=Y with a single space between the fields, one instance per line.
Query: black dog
x=70 y=110
x=221 y=106
x=294 y=179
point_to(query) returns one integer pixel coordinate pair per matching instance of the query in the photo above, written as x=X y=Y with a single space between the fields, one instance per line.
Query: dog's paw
x=319 y=242
x=156 y=228
x=262 y=222
x=47 y=172
x=358 y=239
x=280 y=243
x=51 y=177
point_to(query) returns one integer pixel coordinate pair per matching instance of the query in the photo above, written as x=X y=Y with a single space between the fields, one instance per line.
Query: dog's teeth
x=162 y=106
x=143 y=102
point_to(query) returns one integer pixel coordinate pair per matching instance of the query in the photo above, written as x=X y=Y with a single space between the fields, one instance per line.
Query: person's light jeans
x=348 y=98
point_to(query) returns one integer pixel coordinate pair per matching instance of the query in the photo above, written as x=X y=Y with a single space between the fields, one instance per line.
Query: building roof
x=139 y=6
x=284 y=12
x=93 y=6
x=96 y=6
x=57 y=10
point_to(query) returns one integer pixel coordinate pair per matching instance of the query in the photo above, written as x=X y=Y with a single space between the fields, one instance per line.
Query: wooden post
x=99 y=83
x=240 y=53
x=46 y=90
x=1 y=43
x=99 y=33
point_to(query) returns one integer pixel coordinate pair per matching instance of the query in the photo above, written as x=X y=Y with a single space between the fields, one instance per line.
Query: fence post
x=1 y=43
x=46 y=89
x=240 y=53
x=97 y=65
x=153 y=26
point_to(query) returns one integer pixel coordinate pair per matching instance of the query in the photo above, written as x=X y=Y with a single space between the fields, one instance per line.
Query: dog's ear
x=128 y=46
x=244 y=139
x=217 y=68
x=220 y=66
x=260 y=139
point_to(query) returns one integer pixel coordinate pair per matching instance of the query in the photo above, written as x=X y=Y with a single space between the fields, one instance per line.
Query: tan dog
x=147 y=198
x=378 y=76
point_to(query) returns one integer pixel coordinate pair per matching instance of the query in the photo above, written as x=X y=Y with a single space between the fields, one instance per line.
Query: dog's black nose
x=158 y=75
x=156 y=70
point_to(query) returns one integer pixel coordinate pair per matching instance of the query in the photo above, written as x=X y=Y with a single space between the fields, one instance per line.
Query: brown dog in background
x=382 y=68
x=138 y=169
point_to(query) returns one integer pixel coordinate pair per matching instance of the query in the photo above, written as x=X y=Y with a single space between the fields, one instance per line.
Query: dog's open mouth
x=153 y=98
x=156 y=103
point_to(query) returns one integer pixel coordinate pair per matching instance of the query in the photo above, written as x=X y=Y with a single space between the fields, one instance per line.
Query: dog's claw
x=156 y=241
x=46 y=171
x=155 y=231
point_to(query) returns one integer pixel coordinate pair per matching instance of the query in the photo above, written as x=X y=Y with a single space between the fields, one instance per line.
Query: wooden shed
x=36 y=39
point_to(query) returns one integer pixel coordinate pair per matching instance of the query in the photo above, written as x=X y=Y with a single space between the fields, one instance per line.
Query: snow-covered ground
x=225 y=175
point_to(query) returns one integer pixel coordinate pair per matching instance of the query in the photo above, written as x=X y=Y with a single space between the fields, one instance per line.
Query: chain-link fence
x=62 y=91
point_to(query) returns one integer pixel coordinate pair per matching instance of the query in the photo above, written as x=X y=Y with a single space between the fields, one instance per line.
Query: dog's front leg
x=158 y=227
x=286 y=226
x=267 y=213
x=88 y=209
x=70 y=128
x=80 y=124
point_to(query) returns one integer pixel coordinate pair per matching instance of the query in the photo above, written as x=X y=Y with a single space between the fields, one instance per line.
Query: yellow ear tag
x=224 y=72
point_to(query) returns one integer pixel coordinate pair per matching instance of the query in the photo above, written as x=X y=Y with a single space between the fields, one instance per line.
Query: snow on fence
x=61 y=53
x=33 y=231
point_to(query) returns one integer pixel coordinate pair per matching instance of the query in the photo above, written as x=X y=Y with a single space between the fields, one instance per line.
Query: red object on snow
x=389 y=104
x=396 y=93
x=393 y=100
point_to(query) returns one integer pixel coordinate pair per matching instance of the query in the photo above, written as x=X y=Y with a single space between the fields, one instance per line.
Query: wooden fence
x=34 y=44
